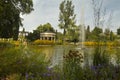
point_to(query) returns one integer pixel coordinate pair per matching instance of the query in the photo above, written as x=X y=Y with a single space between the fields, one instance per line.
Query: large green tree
x=66 y=16
x=10 y=19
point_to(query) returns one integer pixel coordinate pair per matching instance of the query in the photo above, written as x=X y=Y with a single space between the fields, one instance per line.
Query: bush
x=43 y=42
x=115 y=43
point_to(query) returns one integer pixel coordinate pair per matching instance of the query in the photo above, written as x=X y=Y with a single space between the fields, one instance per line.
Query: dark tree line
x=100 y=34
x=10 y=19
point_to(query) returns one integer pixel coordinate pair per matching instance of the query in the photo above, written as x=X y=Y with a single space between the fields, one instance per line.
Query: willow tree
x=66 y=16
x=10 y=19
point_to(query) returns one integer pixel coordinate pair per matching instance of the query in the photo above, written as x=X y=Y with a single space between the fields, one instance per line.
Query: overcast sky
x=48 y=11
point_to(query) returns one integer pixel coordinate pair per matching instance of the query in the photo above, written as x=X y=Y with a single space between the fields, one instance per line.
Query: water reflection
x=54 y=54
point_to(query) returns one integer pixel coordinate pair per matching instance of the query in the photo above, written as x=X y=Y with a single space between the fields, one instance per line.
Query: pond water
x=54 y=54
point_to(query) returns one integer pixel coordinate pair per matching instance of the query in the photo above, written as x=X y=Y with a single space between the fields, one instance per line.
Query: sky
x=47 y=11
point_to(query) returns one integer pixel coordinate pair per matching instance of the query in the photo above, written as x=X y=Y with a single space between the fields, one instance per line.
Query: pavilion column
x=40 y=38
x=43 y=38
x=47 y=38
x=51 y=38
x=54 y=39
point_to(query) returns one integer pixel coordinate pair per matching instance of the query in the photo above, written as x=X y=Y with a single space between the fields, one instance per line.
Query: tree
x=96 y=33
x=73 y=34
x=118 y=31
x=45 y=27
x=10 y=19
x=42 y=28
x=112 y=36
x=99 y=13
x=107 y=34
x=33 y=36
x=66 y=16
x=88 y=33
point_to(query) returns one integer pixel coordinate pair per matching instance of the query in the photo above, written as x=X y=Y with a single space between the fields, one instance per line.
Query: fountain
x=81 y=46
x=82 y=26
x=58 y=58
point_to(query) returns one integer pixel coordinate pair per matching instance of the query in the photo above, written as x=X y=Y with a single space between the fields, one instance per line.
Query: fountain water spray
x=82 y=30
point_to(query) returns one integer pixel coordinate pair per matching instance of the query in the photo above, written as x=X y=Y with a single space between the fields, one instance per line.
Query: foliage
x=28 y=63
x=59 y=36
x=10 y=19
x=33 y=36
x=117 y=56
x=44 y=42
x=118 y=31
x=36 y=33
x=72 y=69
x=72 y=65
x=100 y=57
x=66 y=16
x=107 y=34
x=45 y=27
x=21 y=63
x=5 y=44
x=112 y=36
x=101 y=43
x=96 y=33
x=73 y=34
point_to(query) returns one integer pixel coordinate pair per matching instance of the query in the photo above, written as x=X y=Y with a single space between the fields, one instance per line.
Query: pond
x=54 y=54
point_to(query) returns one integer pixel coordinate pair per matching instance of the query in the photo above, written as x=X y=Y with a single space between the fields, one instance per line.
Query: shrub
x=43 y=42
x=115 y=43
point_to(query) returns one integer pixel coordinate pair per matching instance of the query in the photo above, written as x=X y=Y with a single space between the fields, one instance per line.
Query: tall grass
x=21 y=62
x=100 y=56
